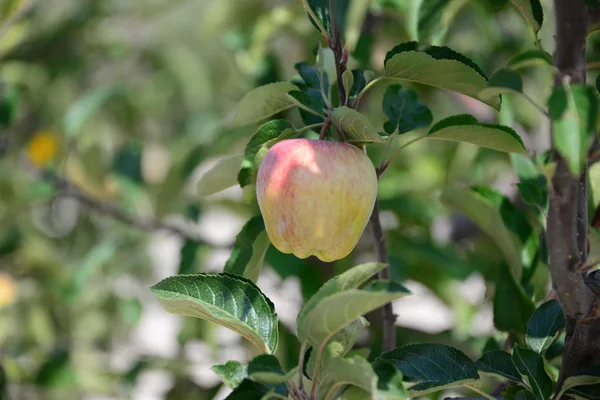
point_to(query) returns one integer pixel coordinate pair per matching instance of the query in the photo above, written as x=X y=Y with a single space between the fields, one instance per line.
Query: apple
x=316 y=197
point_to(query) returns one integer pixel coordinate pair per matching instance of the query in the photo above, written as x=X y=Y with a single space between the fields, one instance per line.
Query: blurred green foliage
x=140 y=98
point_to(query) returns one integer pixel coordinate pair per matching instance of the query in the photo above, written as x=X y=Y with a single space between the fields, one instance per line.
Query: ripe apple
x=316 y=197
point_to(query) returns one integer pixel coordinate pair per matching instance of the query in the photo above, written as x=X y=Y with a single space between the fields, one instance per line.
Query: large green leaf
x=350 y=279
x=266 y=369
x=336 y=311
x=221 y=176
x=544 y=325
x=354 y=127
x=229 y=300
x=249 y=250
x=432 y=366
x=573 y=111
x=512 y=306
x=263 y=139
x=404 y=110
x=489 y=219
x=232 y=373
x=465 y=128
x=439 y=67
x=531 y=365
x=499 y=362
x=250 y=390
x=263 y=102
x=530 y=58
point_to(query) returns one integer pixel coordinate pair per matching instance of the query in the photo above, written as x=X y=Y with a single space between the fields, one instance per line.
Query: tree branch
x=567 y=221
x=68 y=189
x=389 y=319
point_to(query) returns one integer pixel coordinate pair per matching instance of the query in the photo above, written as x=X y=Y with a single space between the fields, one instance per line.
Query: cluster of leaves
x=330 y=321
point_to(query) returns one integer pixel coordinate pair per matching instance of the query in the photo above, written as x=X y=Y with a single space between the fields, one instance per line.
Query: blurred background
x=110 y=113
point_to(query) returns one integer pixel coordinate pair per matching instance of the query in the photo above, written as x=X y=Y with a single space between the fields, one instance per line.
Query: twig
x=481 y=392
x=389 y=319
x=386 y=163
x=324 y=127
x=68 y=189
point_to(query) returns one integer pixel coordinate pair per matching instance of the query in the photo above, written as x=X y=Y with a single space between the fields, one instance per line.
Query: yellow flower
x=42 y=147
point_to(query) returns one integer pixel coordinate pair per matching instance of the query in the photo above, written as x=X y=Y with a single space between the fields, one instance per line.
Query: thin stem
x=366 y=89
x=481 y=392
x=381 y=170
x=324 y=127
x=308 y=127
x=317 y=371
x=535 y=104
x=301 y=366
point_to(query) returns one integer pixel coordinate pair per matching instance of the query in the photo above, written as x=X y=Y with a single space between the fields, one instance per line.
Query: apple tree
x=547 y=230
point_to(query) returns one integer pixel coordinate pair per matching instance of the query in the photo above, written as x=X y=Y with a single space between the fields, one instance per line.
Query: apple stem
x=324 y=127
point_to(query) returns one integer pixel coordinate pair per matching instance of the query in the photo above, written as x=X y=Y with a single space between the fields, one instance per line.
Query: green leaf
x=439 y=67
x=307 y=102
x=265 y=136
x=358 y=82
x=465 y=128
x=584 y=392
x=354 y=127
x=339 y=345
x=518 y=223
x=321 y=10
x=533 y=187
x=85 y=107
x=350 y=279
x=337 y=310
x=232 y=373
x=531 y=365
x=532 y=12
x=390 y=384
x=588 y=378
x=430 y=18
x=221 y=176
x=312 y=76
x=530 y=58
x=226 y=299
x=544 y=325
x=8 y=109
x=263 y=102
x=512 y=307
x=249 y=250
x=573 y=111
x=489 y=219
x=499 y=362
x=525 y=395
x=432 y=366
x=594 y=240
x=503 y=81
x=249 y=390
x=266 y=369
x=355 y=371
x=404 y=110
x=348 y=81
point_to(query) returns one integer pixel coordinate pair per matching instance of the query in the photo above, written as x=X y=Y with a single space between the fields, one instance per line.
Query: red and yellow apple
x=316 y=197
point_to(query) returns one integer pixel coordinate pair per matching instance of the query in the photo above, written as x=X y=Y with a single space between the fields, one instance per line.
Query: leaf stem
x=366 y=89
x=481 y=392
x=301 y=367
x=325 y=126
x=308 y=127
x=385 y=165
x=535 y=104
x=277 y=396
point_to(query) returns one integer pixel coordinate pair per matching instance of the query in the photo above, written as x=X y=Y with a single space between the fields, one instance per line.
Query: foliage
x=130 y=139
